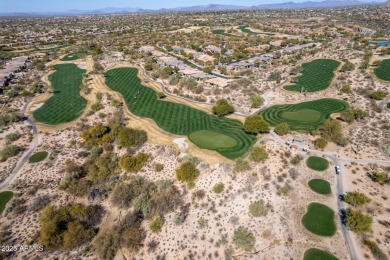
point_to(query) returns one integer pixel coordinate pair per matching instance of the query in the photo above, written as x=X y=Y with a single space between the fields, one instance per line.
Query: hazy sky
x=63 y=5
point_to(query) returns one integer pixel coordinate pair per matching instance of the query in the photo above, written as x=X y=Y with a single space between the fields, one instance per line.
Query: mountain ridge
x=209 y=7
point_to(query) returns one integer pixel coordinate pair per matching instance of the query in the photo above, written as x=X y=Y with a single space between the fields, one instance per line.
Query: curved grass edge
x=313 y=225
x=38 y=157
x=314 y=186
x=318 y=254
x=314 y=163
x=5 y=197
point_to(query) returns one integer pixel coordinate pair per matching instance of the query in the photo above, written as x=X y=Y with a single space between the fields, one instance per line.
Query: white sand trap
x=82 y=65
x=36 y=106
x=181 y=142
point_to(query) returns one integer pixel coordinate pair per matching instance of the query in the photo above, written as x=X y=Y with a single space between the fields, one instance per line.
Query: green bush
x=12 y=137
x=375 y=250
x=296 y=159
x=255 y=125
x=187 y=172
x=156 y=225
x=256 y=101
x=133 y=164
x=358 y=222
x=9 y=151
x=380 y=177
x=346 y=89
x=219 y=187
x=257 y=209
x=378 y=95
x=96 y=107
x=320 y=143
x=128 y=137
x=259 y=154
x=356 y=198
x=241 y=165
x=244 y=239
x=102 y=168
x=282 y=129
x=158 y=167
x=107 y=243
x=222 y=108
x=68 y=227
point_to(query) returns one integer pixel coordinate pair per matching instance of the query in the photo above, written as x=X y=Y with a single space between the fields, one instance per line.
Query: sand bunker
x=181 y=143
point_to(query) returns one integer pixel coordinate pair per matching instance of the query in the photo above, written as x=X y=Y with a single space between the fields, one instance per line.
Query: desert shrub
x=255 y=124
x=68 y=227
x=320 y=143
x=356 y=198
x=332 y=130
x=282 y=129
x=9 y=151
x=107 y=242
x=156 y=225
x=293 y=173
x=93 y=135
x=378 y=95
x=158 y=167
x=296 y=159
x=358 y=222
x=244 y=239
x=241 y=165
x=380 y=177
x=203 y=223
x=259 y=154
x=123 y=195
x=128 y=137
x=102 y=168
x=96 y=107
x=222 y=108
x=257 y=209
x=179 y=219
x=346 y=89
x=187 y=172
x=218 y=188
x=12 y=137
x=256 y=101
x=375 y=250
x=133 y=163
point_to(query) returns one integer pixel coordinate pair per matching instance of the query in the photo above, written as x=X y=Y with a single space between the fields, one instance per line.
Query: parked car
x=304 y=149
x=338 y=170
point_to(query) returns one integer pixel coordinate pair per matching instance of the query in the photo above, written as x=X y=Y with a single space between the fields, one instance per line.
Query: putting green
x=320 y=186
x=208 y=139
x=316 y=75
x=180 y=119
x=383 y=70
x=38 y=157
x=317 y=163
x=305 y=116
x=317 y=254
x=5 y=197
x=319 y=219
x=66 y=104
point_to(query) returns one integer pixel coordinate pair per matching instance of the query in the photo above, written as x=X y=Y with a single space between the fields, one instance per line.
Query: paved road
x=22 y=161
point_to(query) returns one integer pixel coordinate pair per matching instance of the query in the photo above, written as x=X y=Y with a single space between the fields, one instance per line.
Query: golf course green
x=246 y=30
x=383 y=70
x=317 y=163
x=38 y=157
x=221 y=32
x=5 y=197
x=305 y=116
x=319 y=219
x=74 y=56
x=317 y=254
x=66 y=104
x=320 y=186
x=316 y=76
x=220 y=134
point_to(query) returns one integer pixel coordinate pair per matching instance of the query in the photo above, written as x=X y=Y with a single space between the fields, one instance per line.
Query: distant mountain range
x=210 y=7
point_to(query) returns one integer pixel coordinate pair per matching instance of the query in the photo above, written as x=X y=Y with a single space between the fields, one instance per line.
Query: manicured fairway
x=38 y=157
x=388 y=105
x=319 y=219
x=320 y=186
x=212 y=140
x=246 y=30
x=305 y=116
x=66 y=104
x=74 y=56
x=317 y=254
x=316 y=75
x=383 y=70
x=180 y=119
x=4 y=198
x=221 y=32
x=317 y=163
